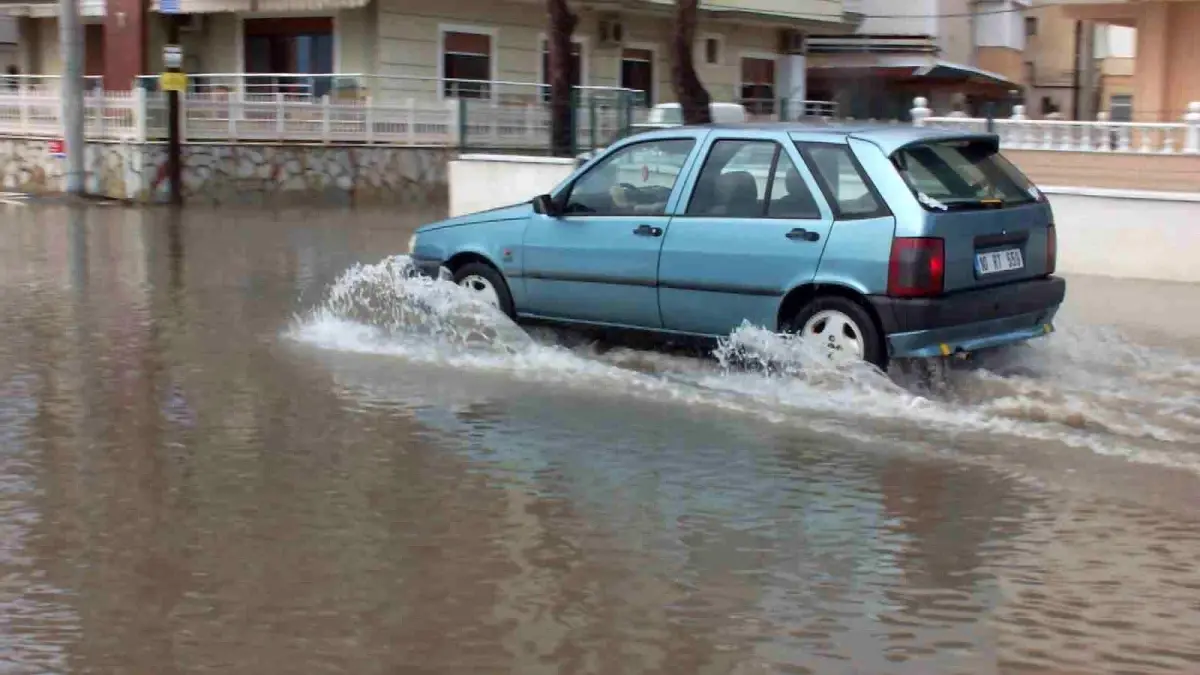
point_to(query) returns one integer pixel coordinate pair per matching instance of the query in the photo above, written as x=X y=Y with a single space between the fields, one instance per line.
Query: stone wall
x=240 y=174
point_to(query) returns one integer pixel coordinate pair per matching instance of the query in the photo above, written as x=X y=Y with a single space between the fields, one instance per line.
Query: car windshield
x=962 y=174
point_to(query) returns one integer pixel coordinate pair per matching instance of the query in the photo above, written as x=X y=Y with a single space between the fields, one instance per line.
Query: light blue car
x=875 y=243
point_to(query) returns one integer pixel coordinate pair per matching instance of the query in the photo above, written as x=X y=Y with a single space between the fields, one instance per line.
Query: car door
x=596 y=260
x=752 y=228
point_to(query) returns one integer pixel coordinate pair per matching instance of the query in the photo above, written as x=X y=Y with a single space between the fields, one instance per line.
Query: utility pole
x=70 y=37
x=172 y=69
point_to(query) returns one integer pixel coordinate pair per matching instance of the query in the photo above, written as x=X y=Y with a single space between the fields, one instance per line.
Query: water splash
x=1083 y=387
x=393 y=301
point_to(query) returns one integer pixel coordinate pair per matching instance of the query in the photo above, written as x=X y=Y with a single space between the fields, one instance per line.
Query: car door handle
x=648 y=231
x=801 y=233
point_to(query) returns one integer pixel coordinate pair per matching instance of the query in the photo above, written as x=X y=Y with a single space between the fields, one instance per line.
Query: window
x=576 y=66
x=758 y=85
x=635 y=180
x=712 y=51
x=1120 y=108
x=751 y=179
x=93 y=49
x=466 y=65
x=961 y=175
x=637 y=73
x=300 y=45
x=1031 y=26
x=842 y=181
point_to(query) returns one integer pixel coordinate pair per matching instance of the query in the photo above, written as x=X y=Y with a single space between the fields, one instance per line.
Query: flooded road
x=239 y=442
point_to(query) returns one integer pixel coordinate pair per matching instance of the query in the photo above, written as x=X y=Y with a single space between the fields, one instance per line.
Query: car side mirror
x=544 y=205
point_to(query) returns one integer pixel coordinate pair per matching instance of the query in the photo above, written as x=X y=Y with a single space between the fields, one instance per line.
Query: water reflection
x=181 y=492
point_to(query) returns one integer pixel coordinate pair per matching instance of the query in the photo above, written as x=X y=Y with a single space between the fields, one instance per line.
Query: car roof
x=889 y=137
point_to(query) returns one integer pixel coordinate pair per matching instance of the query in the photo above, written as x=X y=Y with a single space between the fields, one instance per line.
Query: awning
x=40 y=10
x=916 y=66
x=216 y=6
x=944 y=70
x=96 y=8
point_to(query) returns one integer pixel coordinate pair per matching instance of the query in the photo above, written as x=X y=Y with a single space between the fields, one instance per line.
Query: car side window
x=842 y=181
x=790 y=195
x=635 y=180
x=751 y=179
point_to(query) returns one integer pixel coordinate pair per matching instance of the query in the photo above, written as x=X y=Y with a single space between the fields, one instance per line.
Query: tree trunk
x=693 y=97
x=562 y=117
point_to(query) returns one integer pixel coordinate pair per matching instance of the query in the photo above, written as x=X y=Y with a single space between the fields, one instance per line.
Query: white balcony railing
x=1021 y=133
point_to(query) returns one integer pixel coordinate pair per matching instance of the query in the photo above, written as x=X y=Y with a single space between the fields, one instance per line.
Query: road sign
x=168 y=6
x=56 y=148
x=171 y=81
x=172 y=57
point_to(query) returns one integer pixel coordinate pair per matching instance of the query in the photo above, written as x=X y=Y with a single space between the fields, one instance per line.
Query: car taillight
x=917 y=267
x=1051 y=249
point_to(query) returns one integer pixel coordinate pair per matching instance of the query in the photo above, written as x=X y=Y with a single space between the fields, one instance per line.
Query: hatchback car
x=874 y=243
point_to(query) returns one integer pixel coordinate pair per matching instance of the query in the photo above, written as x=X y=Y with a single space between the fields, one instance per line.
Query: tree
x=562 y=122
x=693 y=97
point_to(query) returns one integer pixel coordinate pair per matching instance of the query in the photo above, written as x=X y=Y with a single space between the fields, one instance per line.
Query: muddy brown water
x=207 y=466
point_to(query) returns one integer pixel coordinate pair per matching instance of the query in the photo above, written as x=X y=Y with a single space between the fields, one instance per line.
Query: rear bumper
x=969 y=321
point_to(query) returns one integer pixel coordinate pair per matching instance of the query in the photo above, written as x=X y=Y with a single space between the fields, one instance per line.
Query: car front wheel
x=840 y=329
x=486 y=283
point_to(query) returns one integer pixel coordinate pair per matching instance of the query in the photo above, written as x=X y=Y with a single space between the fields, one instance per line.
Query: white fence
x=209 y=116
x=214 y=115
x=1021 y=133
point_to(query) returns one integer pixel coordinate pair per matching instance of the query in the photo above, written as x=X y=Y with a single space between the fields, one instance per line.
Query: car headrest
x=738 y=194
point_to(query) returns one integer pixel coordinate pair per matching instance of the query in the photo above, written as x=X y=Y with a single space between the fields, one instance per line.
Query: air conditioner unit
x=191 y=23
x=792 y=42
x=611 y=31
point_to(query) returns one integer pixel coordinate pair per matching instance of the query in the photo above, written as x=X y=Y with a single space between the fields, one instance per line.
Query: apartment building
x=960 y=54
x=1062 y=75
x=1165 y=73
x=745 y=48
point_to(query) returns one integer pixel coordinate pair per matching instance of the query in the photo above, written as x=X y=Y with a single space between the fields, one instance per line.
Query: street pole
x=174 y=151
x=70 y=37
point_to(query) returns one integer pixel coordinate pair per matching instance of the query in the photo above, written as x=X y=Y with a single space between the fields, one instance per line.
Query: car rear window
x=962 y=174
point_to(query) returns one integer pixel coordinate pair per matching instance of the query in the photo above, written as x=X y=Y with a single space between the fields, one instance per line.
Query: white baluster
x=1145 y=134
x=1019 y=126
x=920 y=111
x=1125 y=139
x=369 y=119
x=279 y=115
x=1105 y=132
x=139 y=111
x=325 y=125
x=1192 y=119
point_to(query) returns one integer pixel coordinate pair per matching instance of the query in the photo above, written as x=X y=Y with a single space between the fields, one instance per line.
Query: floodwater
x=235 y=442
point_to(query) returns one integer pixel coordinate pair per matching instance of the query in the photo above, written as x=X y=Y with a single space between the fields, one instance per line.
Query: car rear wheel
x=841 y=330
x=486 y=283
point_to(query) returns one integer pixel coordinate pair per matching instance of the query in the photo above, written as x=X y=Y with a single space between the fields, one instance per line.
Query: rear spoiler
x=993 y=140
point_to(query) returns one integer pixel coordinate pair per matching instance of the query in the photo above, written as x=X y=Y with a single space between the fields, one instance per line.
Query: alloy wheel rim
x=835 y=333
x=481 y=288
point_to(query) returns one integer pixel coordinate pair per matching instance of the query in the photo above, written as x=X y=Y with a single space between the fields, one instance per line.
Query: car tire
x=476 y=275
x=859 y=321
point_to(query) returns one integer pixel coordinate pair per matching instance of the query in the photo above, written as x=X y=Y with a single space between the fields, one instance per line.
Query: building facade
x=1165 y=74
x=960 y=54
x=404 y=48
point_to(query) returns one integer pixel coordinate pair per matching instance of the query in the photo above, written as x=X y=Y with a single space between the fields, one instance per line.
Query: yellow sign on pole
x=172 y=81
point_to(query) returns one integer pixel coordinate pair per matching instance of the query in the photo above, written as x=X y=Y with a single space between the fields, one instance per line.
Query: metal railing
x=214 y=116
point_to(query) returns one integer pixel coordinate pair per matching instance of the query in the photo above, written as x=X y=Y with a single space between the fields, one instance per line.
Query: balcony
x=872 y=44
x=813 y=10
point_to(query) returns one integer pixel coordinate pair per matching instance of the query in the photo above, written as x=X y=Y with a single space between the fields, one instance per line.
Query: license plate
x=999 y=261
